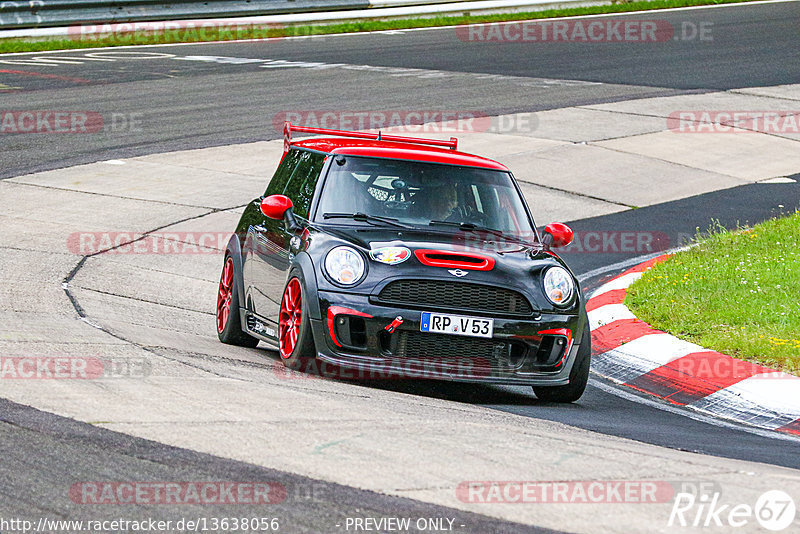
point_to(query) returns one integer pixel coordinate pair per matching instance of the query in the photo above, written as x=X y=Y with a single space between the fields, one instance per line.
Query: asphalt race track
x=181 y=97
x=54 y=450
x=180 y=106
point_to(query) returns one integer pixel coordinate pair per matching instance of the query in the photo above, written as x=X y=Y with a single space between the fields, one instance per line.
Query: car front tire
x=295 y=339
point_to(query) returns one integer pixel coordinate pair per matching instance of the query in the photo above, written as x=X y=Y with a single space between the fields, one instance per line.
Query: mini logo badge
x=458 y=272
x=390 y=255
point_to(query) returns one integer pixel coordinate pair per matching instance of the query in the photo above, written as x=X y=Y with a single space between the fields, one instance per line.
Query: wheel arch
x=303 y=268
x=583 y=327
x=234 y=249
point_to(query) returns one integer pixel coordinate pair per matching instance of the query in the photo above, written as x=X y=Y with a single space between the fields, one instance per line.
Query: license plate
x=457 y=325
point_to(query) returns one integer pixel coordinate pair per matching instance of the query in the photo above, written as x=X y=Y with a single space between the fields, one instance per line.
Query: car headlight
x=558 y=286
x=344 y=265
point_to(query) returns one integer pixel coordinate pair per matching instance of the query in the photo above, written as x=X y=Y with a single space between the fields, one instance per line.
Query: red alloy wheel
x=290 y=317
x=224 y=296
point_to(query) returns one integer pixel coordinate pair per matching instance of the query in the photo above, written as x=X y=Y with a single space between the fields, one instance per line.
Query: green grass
x=735 y=292
x=270 y=31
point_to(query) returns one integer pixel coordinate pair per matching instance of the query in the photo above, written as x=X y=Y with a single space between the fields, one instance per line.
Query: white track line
x=608 y=314
x=623 y=282
x=658 y=350
x=622 y=265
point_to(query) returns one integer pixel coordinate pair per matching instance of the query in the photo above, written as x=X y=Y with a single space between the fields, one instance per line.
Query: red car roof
x=396 y=150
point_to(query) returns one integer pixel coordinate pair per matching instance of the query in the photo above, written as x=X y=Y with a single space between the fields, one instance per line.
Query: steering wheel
x=469 y=214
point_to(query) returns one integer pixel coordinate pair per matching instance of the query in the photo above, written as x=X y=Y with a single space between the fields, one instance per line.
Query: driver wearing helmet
x=442 y=203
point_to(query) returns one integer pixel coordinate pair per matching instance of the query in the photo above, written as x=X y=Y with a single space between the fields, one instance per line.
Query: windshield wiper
x=363 y=217
x=470 y=227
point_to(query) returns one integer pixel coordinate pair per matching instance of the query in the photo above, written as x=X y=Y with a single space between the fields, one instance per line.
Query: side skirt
x=258 y=328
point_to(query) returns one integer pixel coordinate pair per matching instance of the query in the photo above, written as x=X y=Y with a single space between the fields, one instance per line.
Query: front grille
x=455 y=295
x=452 y=350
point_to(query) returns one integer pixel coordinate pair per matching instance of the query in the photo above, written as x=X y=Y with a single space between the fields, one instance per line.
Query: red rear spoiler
x=452 y=144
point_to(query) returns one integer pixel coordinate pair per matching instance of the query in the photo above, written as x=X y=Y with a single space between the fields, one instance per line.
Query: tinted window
x=278 y=183
x=303 y=182
x=417 y=193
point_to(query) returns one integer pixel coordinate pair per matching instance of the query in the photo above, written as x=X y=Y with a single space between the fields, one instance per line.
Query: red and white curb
x=630 y=352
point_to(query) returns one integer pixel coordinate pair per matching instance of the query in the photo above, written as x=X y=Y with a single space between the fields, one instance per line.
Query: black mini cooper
x=397 y=257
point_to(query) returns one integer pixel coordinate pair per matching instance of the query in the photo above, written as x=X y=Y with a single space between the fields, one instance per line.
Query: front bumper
x=352 y=334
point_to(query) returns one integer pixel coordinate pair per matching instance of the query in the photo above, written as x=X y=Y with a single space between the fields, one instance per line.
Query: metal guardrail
x=44 y=13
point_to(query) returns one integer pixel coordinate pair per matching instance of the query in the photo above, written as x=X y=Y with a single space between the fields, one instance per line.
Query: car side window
x=303 y=182
x=277 y=185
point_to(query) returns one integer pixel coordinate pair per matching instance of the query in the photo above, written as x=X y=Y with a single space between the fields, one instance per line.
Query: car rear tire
x=229 y=323
x=578 y=376
x=295 y=339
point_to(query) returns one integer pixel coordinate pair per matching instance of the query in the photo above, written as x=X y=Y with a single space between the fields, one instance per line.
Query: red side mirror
x=275 y=206
x=561 y=233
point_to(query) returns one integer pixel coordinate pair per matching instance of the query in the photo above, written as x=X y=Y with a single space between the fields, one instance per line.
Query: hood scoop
x=455 y=260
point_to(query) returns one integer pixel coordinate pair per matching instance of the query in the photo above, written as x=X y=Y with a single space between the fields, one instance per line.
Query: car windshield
x=418 y=194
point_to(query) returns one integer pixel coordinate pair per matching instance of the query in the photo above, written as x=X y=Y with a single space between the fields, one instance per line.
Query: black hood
x=514 y=265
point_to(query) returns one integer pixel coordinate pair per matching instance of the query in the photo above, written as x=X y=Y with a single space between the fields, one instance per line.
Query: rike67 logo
x=774 y=510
